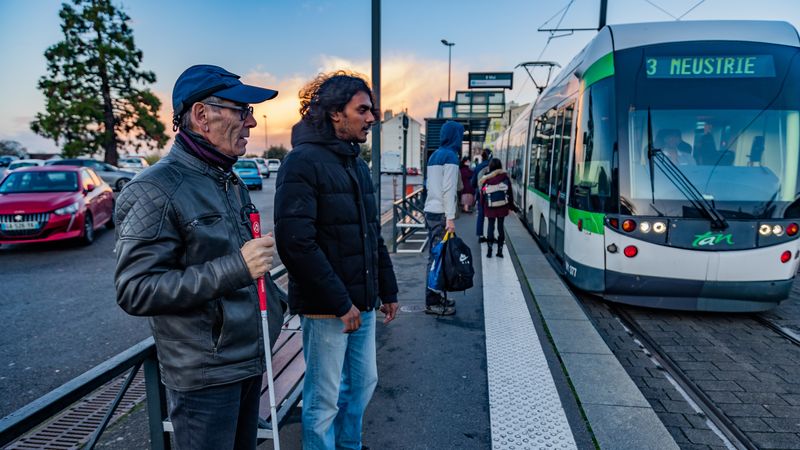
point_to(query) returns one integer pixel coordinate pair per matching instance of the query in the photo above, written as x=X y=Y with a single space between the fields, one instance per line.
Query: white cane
x=255 y=224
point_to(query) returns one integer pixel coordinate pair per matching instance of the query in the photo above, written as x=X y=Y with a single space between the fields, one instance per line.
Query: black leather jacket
x=180 y=232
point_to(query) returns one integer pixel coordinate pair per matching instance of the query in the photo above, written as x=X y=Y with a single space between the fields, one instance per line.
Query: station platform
x=518 y=366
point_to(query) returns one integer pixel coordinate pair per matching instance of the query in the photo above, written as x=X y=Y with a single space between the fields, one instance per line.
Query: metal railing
x=408 y=220
x=40 y=411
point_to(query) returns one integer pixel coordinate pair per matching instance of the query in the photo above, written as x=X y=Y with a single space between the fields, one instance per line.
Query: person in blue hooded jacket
x=440 y=204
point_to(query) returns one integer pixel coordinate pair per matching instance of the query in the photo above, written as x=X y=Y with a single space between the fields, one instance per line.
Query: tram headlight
x=659 y=227
x=765 y=230
x=777 y=230
x=644 y=227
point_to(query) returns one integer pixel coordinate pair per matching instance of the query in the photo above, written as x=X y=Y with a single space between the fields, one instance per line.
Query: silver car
x=114 y=176
x=133 y=163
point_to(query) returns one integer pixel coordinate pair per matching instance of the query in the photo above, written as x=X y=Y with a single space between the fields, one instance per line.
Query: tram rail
x=786 y=333
x=716 y=419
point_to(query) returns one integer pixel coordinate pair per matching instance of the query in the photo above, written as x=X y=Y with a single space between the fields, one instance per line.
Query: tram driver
x=671 y=143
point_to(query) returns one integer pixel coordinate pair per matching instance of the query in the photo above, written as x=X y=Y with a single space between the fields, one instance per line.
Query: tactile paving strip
x=524 y=407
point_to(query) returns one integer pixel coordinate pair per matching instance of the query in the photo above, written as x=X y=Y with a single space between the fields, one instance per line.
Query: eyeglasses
x=244 y=111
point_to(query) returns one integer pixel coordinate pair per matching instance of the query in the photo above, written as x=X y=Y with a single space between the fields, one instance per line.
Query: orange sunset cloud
x=408 y=82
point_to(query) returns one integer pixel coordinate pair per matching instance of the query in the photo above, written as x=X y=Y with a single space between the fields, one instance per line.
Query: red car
x=48 y=203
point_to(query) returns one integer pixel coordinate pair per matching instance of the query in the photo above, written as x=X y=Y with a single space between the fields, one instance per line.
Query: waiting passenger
x=498 y=199
x=328 y=235
x=440 y=204
x=467 y=194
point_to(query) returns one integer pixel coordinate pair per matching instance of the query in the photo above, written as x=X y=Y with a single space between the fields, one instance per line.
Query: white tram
x=661 y=166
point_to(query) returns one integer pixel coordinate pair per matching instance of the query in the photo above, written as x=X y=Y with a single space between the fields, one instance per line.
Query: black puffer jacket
x=327 y=229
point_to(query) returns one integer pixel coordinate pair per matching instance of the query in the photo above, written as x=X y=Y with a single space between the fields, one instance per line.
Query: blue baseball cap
x=200 y=81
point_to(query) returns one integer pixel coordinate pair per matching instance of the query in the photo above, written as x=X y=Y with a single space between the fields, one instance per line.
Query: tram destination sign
x=710 y=66
x=491 y=80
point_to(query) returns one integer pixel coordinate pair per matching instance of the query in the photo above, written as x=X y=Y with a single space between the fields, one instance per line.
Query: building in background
x=392 y=144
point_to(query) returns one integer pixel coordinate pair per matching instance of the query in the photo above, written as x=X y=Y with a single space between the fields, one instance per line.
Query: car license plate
x=20 y=225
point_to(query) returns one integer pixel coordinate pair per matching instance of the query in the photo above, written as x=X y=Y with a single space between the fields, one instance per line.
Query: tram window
x=594 y=150
x=536 y=144
x=758 y=149
x=546 y=152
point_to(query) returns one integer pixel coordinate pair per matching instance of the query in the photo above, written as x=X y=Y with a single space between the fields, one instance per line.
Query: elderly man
x=328 y=236
x=187 y=260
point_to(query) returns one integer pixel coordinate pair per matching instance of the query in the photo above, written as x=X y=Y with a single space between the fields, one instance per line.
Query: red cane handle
x=255 y=227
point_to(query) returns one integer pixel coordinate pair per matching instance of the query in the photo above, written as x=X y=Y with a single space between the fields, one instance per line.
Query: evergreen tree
x=96 y=99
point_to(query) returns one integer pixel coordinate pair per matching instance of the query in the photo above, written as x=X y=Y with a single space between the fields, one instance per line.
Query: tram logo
x=708 y=239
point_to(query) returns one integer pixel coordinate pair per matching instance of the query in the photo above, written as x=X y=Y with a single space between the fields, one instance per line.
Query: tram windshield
x=746 y=157
x=726 y=114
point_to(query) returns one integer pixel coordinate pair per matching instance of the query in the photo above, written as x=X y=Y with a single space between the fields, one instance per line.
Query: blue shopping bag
x=436 y=280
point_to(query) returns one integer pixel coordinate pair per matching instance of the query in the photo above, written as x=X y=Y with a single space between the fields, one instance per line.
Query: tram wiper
x=676 y=176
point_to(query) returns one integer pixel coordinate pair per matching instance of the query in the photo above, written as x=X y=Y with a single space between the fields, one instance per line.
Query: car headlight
x=69 y=209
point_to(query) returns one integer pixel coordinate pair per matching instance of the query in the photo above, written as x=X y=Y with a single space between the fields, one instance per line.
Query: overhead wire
x=563 y=11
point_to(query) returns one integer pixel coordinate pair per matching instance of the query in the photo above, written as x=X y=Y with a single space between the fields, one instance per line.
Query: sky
x=283 y=44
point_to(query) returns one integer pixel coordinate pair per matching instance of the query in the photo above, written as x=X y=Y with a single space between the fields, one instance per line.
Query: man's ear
x=336 y=116
x=199 y=117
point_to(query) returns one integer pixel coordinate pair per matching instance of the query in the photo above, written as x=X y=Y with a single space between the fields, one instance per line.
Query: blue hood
x=451 y=136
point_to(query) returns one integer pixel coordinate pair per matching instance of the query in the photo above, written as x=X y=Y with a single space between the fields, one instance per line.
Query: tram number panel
x=710 y=66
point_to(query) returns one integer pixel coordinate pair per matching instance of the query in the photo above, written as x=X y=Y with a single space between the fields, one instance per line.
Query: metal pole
x=376 y=91
x=405 y=159
x=449 y=61
x=603 y=12
x=266 y=142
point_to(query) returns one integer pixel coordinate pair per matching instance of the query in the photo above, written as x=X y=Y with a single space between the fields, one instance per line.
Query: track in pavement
x=737 y=371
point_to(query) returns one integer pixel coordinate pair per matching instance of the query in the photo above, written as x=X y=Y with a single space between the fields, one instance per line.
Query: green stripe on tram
x=592 y=222
x=602 y=68
x=539 y=193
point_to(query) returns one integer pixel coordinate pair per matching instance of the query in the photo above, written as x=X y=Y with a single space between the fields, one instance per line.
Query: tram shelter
x=472 y=109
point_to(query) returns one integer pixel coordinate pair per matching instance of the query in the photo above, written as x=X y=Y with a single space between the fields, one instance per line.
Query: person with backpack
x=440 y=204
x=498 y=200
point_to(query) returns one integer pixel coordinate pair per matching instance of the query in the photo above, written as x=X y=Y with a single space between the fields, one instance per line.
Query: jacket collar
x=491 y=175
x=305 y=133
x=184 y=157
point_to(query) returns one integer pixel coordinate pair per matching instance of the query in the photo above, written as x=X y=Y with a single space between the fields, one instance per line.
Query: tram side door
x=558 y=181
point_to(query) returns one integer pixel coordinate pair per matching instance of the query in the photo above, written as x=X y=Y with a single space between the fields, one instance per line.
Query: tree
x=96 y=99
x=13 y=148
x=276 y=152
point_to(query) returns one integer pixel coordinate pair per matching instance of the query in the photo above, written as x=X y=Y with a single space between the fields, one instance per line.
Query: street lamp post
x=266 y=140
x=449 y=59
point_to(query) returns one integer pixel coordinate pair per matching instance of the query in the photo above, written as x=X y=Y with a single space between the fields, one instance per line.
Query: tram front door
x=558 y=181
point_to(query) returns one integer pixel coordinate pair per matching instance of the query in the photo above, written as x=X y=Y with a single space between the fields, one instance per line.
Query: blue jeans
x=435 y=222
x=341 y=374
x=216 y=418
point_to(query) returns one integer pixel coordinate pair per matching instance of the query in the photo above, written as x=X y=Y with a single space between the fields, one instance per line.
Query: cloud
x=408 y=82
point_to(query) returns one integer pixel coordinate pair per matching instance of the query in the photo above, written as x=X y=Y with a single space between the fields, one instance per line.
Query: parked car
x=274 y=165
x=133 y=163
x=48 y=203
x=20 y=163
x=5 y=160
x=247 y=169
x=263 y=168
x=112 y=175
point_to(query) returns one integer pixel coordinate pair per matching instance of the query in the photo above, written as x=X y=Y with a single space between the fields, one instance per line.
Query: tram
x=660 y=168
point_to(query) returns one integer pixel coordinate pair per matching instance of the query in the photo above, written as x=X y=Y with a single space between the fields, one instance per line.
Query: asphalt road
x=59 y=313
